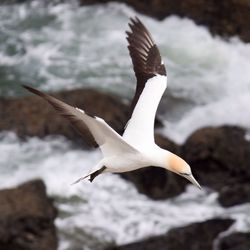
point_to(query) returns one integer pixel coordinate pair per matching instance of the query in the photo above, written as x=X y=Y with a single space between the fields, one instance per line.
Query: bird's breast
x=127 y=162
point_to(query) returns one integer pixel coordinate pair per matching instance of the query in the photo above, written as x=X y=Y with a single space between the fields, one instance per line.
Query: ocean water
x=110 y=209
x=63 y=46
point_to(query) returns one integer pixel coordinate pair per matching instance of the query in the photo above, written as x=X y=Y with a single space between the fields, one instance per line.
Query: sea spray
x=110 y=209
x=65 y=47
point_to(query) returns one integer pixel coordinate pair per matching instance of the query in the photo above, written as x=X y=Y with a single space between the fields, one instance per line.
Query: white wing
x=110 y=142
x=151 y=84
x=140 y=128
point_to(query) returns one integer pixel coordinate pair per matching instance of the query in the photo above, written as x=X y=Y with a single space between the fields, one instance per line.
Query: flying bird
x=136 y=148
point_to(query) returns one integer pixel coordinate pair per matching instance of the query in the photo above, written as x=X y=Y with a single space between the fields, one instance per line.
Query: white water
x=109 y=209
x=64 y=47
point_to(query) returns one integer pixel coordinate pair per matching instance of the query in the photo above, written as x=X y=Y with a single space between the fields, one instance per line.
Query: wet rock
x=219 y=158
x=27 y=218
x=156 y=183
x=32 y=116
x=234 y=195
x=197 y=236
x=225 y=17
x=236 y=241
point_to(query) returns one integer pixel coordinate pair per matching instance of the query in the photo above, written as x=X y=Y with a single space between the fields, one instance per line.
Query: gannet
x=136 y=148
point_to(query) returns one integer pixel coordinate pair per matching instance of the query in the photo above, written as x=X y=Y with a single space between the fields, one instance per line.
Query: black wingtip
x=128 y=33
x=131 y=19
x=25 y=86
x=33 y=90
x=134 y=19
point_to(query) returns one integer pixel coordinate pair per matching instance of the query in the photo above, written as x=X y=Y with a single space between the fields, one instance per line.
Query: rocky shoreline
x=218 y=158
x=217 y=155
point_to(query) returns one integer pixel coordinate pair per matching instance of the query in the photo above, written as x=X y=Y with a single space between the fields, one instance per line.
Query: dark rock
x=32 y=116
x=220 y=159
x=156 y=183
x=236 y=241
x=234 y=194
x=197 y=236
x=225 y=17
x=27 y=218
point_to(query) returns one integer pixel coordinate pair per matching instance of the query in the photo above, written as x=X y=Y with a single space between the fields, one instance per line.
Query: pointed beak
x=192 y=179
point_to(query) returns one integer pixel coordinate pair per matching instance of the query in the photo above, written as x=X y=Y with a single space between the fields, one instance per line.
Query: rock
x=156 y=183
x=197 y=236
x=234 y=195
x=236 y=241
x=218 y=157
x=226 y=17
x=27 y=218
x=32 y=116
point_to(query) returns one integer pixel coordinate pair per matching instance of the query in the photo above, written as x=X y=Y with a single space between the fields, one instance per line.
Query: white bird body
x=136 y=148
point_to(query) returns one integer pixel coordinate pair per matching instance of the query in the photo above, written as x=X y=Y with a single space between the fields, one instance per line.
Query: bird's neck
x=161 y=157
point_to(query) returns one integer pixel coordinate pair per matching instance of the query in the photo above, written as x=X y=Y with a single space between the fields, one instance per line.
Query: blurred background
x=79 y=51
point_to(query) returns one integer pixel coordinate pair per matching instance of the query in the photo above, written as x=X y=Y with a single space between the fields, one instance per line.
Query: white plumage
x=140 y=129
x=136 y=148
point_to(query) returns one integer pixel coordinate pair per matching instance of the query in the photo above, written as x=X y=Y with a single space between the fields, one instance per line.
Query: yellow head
x=177 y=165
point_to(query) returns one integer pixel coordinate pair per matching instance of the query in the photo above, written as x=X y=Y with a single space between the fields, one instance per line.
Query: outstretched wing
x=151 y=78
x=109 y=140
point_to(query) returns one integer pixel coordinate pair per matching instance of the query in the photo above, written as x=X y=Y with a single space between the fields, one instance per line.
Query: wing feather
x=145 y=56
x=151 y=78
x=108 y=139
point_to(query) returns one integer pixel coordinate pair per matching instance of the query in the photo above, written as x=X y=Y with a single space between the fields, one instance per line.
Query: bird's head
x=177 y=165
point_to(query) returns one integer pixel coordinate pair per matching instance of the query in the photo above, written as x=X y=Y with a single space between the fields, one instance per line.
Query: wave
x=109 y=209
x=65 y=47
